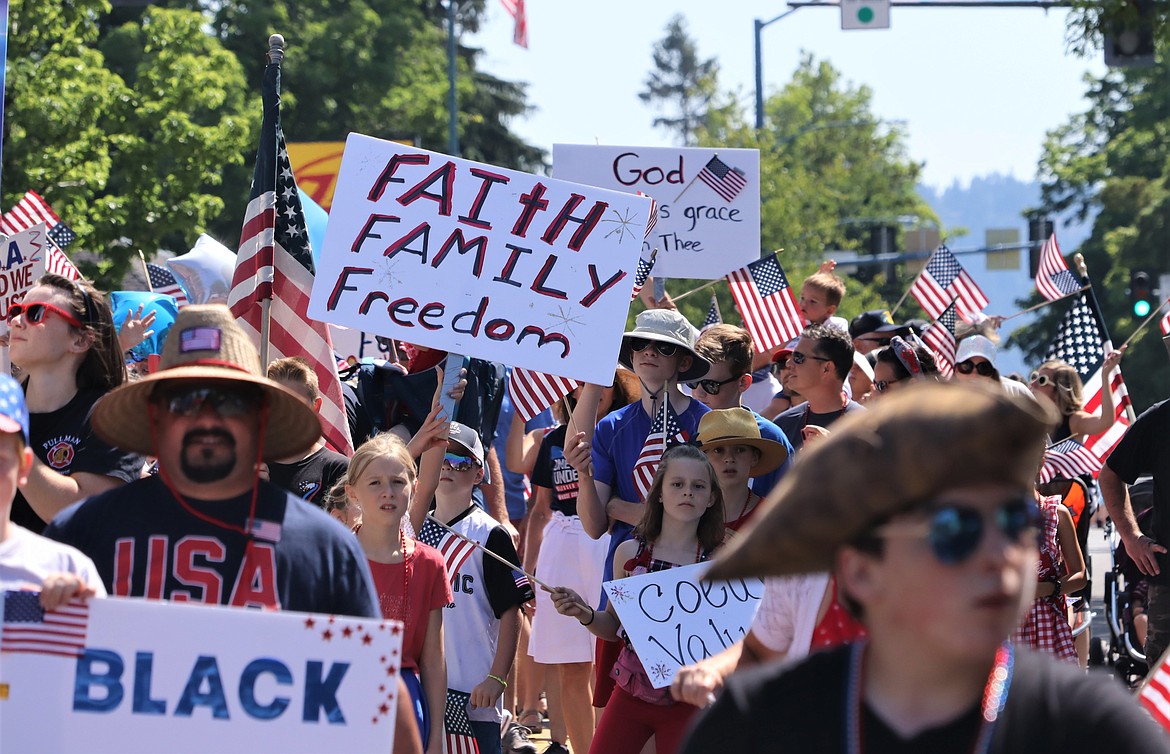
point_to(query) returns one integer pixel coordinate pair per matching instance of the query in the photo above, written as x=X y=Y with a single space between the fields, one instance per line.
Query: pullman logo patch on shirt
x=60 y=452
x=199 y=339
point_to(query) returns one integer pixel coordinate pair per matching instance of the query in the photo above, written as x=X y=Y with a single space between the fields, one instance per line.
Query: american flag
x=29 y=629
x=713 y=315
x=454 y=549
x=665 y=431
x=275 y=263
x=521 y=580
x=32 y=210
x=516 y=10
x=653 y=215
x=1068 y=459
x=724 y=179
x=1164 y=323
x=641 y=275
x=766 y=303
x=940 y=337
x=944 y=280
x=163 y=282
x=1082 y=342
x=460 y=737
x=1054 y=280
x=532 y=392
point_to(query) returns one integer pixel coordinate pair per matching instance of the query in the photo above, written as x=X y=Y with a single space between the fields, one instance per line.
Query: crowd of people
x=915 y=575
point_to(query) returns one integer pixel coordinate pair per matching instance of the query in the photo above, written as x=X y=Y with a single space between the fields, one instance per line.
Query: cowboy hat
x=205 y=345
x=907 y=449
x=737 y=426
x=665 y=326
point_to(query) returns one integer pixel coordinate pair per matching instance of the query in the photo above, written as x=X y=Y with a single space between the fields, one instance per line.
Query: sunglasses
x=954 y=531
x=799 y=358
x=781 y=364
x=710 y=387
x=458 y=463
x=884 y=385
x=637 y=345
x=34 y=314
x=1041 y=380
x=984 y=368
x=225 y=403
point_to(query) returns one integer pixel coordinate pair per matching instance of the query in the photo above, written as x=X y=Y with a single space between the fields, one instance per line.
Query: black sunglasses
x=799 y=358
x=984 y=368
x=955 y=531
x=710 y=387
x=637 y=345
x=226 y=403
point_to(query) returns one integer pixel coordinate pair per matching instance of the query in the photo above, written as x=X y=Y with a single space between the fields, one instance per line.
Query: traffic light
x=1140 y=293
x=1129 y=35
x=865 y=14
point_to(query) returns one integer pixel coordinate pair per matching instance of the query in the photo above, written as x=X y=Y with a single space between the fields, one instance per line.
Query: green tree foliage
x=1112 y=159
x=681 y=84
x=127 y=137
x=829 y=169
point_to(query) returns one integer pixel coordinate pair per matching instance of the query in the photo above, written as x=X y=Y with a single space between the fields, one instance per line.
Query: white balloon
x=205 y=272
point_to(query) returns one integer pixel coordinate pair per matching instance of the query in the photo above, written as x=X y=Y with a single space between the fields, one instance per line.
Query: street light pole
x=452 y=80
x=759 y=27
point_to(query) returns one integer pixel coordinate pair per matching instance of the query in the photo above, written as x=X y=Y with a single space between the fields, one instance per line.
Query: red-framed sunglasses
x=34 y=314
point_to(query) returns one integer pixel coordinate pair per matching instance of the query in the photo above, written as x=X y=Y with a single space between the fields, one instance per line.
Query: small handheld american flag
x=29 y=629
x=765 y=300
x=664 y=432
x=944 y=280
x=460 y=737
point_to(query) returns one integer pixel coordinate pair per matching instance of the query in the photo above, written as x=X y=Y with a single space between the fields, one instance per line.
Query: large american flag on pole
x=1054 y=280
x=1082 y=342
x=766 y=302
x=944 y=280
x=275 y=263
x=31 y=210
x=516 y=10
x=940 y=338
x=665 y=431
x=532 y=392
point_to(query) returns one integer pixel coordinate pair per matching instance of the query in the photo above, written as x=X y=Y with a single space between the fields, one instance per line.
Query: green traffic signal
x=1141 y=308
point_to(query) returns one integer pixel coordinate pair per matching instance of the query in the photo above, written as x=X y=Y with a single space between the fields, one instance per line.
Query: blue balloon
x=316 y=218
x=126 y=303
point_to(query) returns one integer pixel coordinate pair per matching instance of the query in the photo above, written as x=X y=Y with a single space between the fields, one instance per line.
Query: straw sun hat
x=205 y=345
x=737 y=426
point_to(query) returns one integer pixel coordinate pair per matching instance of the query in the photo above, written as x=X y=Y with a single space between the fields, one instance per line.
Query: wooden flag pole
x=902 y=300
x=145 y=271
x=1145 y=323
x=1043 y=304
x=702 y=287
x=486 y=551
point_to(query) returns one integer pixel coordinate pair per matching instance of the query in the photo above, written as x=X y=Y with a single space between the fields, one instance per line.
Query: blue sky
x=977 y=88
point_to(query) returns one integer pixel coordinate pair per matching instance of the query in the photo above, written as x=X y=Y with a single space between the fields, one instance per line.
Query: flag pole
x=275 y=57
x=688 y=186
x=707 y=285
x=902 y=300
x=1145 y=323
x=145 y=271
x=1082 y=268
x=1043 y=304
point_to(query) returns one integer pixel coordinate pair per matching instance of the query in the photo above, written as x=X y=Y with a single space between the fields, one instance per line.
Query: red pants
x=603 y=684
x=628 y=723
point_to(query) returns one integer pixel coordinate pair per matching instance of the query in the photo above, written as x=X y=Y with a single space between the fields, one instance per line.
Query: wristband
x=592 y=615
x=1056 y=587
x=498 y=680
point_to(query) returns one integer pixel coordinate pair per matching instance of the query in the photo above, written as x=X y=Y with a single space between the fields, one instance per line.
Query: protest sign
x=708 y=200
x=22 y=263
x=478 y=260
x=674 y=618
x=133 y=675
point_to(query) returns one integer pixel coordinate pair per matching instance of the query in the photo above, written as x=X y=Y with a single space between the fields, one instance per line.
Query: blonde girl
x=410 y=577
x=682 y=524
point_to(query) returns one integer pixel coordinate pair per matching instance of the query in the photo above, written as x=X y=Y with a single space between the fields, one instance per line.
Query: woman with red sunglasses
x=63 y=342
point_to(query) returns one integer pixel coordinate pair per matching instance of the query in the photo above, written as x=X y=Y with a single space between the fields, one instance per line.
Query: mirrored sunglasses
x=955 y=531
x=637 y=345
x=458 y=462
x=984 y=368
x=34 y=314
x=225 y=403
x=710 y=387
x=1041 y=380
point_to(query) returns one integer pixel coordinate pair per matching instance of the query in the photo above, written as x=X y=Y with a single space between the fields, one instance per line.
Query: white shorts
x=568 y=557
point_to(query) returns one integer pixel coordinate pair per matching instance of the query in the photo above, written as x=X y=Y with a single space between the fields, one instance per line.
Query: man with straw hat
x=924 y=509
x=206 y=528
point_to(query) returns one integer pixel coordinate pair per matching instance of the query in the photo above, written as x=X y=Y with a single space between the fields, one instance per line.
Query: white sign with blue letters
x=147 y=676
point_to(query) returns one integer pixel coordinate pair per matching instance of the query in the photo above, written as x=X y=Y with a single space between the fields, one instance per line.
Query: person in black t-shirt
x=309 y=476
x=206 y=528
x=924 y=509
x=819 y=363
x=63 y=340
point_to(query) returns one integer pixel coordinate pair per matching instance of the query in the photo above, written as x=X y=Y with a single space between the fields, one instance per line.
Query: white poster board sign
x=134 y=675
x=478 y=260
x=23 y=258
x=674 y=618
x=708 y=200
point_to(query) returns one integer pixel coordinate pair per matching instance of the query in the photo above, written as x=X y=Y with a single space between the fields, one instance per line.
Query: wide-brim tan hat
x=737 y=426
x=665 y=326
x=205 y=345
x=906 y=450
